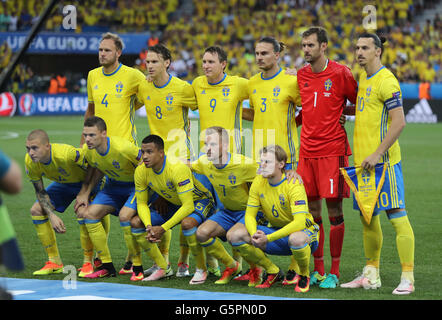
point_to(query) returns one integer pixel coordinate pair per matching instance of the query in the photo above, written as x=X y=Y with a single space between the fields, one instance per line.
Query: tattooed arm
x=47 y=207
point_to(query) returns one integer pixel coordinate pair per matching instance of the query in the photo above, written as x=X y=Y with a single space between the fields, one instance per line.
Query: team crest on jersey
x=119 y=87
x=281 y=199
x=62 y=171
x=366 y=176
x=226 y=91
x=116 y=164
x=328 y=84
x=169 y=185
x=368 y=92
x=169 y=99
x=232 y=178
x=276 y=91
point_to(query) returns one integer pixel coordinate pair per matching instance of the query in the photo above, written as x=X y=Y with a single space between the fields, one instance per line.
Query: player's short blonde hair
x=115 y=37
x=39 y=134
x=278 y=151
x=222 y=133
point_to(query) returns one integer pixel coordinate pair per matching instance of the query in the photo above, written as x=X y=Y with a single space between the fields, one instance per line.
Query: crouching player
x=64 y=166
x=284 y=205
x=190 y=203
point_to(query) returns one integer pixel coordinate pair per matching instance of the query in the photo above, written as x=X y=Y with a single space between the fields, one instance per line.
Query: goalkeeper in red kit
x=325 y=87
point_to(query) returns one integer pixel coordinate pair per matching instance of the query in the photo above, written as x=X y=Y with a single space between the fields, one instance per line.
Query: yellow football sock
x=215 y=248
x=257 y=256
x=99 y=239
x=131 y=244
x=46 y=234
x=372 y=238
x=211 y=261
x=404 y=241
x=165 y=244
x=195 y=248
x=237 y=256
x=184 y=249
x=105 y=221
x=294 y=264
x=151 y=249
x=302 y=257
x=86 y=243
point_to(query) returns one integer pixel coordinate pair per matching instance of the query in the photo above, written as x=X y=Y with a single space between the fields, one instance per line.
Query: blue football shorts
x=203 y=209
x=117 y=194
x=281 y=246
x=392 y=193
x=62 y=194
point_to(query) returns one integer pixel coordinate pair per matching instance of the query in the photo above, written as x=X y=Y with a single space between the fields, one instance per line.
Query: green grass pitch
x=421 y=147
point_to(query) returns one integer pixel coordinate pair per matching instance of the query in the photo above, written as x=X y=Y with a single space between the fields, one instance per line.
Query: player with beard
x=112 y=89
x=325 y=87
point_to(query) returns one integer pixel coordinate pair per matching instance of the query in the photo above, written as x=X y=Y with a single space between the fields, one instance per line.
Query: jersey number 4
x=104 y=101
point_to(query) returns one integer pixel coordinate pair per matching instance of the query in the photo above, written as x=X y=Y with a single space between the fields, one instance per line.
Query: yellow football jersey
x=230 y=182
x=377 y=95
x=220 y=104
x=167 y=109
x=274 y=101
x=114 y=97
x=281 y=204
x=66 y=165
x=173 y=183
x=118 y=162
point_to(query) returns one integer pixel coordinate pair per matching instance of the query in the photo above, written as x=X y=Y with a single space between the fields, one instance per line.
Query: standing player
x=64 y=165
x=230 y=175
x=284 y=205
x=379 y=122
x=220 y=97
x=325 y=86
x=273 y=96
x=112 y=90
x=116 y=158
x=167 y=100
x=189 y=201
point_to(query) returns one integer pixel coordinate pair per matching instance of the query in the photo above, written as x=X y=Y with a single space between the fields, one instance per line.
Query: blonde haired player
x=112 y=89
x=292 y=232
x=64 y=166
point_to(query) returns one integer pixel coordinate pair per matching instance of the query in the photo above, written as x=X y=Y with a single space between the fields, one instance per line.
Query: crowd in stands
x=413 y=52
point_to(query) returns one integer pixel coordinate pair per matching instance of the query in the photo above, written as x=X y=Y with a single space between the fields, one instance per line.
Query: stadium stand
x=412 y=27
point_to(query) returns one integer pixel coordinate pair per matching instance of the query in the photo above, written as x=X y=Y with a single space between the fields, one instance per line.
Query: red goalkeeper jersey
x=323 y=97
